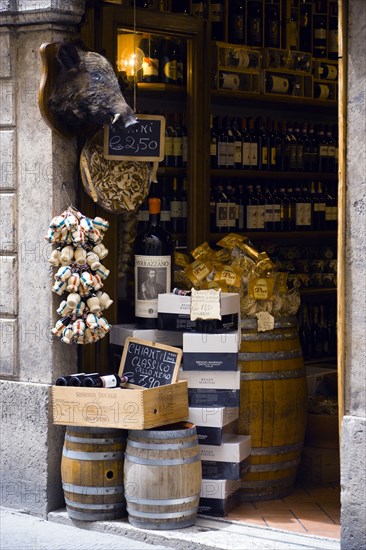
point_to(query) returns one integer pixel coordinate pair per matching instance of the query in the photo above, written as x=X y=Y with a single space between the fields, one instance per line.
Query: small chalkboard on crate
x=143 y=141
x=147 y=364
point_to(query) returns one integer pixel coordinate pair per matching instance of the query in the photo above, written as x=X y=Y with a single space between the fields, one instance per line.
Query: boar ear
x=68 y=56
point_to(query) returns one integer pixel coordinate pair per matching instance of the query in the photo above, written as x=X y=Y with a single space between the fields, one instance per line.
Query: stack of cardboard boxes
x=210 y=366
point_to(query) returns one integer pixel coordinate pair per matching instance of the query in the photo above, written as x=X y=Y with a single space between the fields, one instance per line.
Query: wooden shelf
x=273 y=175
x=161 y=88
x=281 y=235
x=291 y=102
x=318 y=291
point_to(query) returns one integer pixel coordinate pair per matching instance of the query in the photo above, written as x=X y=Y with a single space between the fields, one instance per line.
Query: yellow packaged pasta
x=261 y=288
x=197 y=271
x=229 y=274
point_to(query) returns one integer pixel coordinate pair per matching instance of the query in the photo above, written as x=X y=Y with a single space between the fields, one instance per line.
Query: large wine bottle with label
x=154 y=248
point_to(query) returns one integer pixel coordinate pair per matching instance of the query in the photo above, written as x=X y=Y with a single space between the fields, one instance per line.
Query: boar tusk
x=116 y=117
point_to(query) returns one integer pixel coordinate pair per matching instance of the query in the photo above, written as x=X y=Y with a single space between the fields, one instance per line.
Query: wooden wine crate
x=298 y=84
x=287 y=60
x=235 y=68
x=131 y=409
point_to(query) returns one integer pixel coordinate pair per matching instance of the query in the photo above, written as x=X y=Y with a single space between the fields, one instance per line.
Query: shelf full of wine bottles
x=172 y=192
x=265 y=144
x=318 y=331
x=273 y=206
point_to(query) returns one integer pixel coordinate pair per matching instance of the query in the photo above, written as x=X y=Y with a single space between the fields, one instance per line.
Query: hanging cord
x=134 y=58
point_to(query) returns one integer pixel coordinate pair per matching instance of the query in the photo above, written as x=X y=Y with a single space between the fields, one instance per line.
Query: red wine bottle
x=153 y=267
x=104 y=381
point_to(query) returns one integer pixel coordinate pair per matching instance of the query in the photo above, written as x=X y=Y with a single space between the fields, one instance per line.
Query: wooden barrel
x=163 y=476
x=92 y=473
x=273 y=407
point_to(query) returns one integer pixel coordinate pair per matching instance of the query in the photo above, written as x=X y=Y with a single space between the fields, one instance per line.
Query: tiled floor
x=313 y=510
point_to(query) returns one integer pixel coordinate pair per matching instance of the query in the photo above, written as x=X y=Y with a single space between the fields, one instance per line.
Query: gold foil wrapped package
x=203 y=249
x=230 y=275
x=261 y=288
x=180 y=259
x=231 y=240
x=198 y=271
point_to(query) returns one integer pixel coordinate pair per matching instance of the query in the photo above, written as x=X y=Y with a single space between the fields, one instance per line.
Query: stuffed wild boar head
x=86 y=93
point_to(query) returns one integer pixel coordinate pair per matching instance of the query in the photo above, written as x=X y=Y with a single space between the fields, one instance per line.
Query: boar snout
x=126 y=119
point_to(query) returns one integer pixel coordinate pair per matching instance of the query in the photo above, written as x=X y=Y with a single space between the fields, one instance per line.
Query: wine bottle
x=254 y=146
x=320 y=36
x=231 y=208
x=272 y=25
x=213 y=197
x=306 y=148
x=299 y=148
x=236 y=22
x=153 y=267
x=151 y=59
x=261 y=208
x=333 y=34
x=313 y=144
x=221 y=210
x=269 y=209
x=255 y=23
x=331 y=149
x=163 y=195
x=305 y=27
x=246 y=146
x=263 y=157
x=235 y=125
x=240 y=205
x=226 y=146
x=328 y=72
x=176 y=210
x=323 y=159
x=169 y=136
x=319 y=211
x=251 y=210
x=104 y=381
x=169 y=62
x=177 y=143
x=277 y=84
x=198 y=8
x=213 y=141
x=70 y=380
x=184 y=198
x=216 y=17
x=291 y=198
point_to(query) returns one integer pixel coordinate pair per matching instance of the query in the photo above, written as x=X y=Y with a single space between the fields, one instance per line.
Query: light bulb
x=130 y=61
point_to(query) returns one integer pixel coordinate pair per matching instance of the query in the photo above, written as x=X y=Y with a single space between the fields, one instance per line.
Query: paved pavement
x=21 y=531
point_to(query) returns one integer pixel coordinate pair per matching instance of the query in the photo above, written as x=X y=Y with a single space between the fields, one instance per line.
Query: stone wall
x=35 y=164
x=353 y=447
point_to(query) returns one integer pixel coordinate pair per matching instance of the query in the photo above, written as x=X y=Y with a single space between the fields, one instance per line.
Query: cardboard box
x=210 y=361
x=225 y=470
x=227 y=342
x=218 y=497
x=119 y=333
x=316 y=377
x=233 y=449
x=212 y=380
x=214 y=417
x=215 y=436
x=174 y=314
x=213 y=398
x=131 y=409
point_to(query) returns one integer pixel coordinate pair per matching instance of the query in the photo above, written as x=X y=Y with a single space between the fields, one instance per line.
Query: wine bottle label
x=252 y=217
x=323 y=150
x=176 y=209
x=319 y=207
x=177 y=147
x=152 y=277
x=268 y=216
x=229 y=81
x=171 y=70
x=109 y=381
x=237 y=154
x=231 y=214
x=299 y=216
x=222 y=153
x=320 y=34
x=276 y=213
x=331 y=151
x=261 y=215
x=273 y=156
x=197 y=10
x=333 y=41
x=143 y=216
x=150 y=67
x=330 y=70
x=243 y=60
x=216 y=15
x=230 y=159
x=246 y=154
x=264 y=155
x=168 y=147
x=164 y=216
x=221 y=215
x=213 y=147
x=254 y=154
x=324 y=91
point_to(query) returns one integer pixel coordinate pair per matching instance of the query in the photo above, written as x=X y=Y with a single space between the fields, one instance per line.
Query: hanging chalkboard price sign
x=149 y=365
x=143 y=141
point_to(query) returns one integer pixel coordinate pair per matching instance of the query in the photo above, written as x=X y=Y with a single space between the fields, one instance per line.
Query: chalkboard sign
x=143 y=141
x=149 y=365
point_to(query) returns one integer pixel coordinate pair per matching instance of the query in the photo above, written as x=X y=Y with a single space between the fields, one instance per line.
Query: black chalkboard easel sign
x=149 y=365
x=143 y=141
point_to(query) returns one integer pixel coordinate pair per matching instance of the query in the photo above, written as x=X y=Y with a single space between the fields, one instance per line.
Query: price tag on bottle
x=205 y=304
x=265 y=321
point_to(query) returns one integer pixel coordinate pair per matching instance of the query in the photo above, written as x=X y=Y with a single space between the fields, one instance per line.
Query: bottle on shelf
x=299 y=148
x=306 y=148
x=169 y=61
x=238 y=150
x=278 y=144
x=216 y=18
x=304 y=210
x=199 y=8
x=246 y=146
x=305 y=26
x=323 y=158
x=290 y=149
x=261 y=208
x=254 y=146
x=221 y=217
x=292 y=30
x=331 y=149
x=284 y=224
x=255 y=23
x=184 y=197
x=150 y=45
x=272 y=25
x=240 y=206
x=291 y=206
x=331 y=208
x=164 y=197
x=176 y=209
x=70 y=380
x=333 y=33
x=177 y=142
x=263 y=157
x=313 y=149
x=322 y=91
x=153 y=267
x=320 y=36
x=231 y=208
x=213 y=197
x=104 y=381
x=236 y=22
x=214 y=122
x=328 y=71
x=226 y=145
x=169 y=137
x=277 y=204
x=184 y=140
x=306 y=333
x=319 y=221
x=251 y=210
x=269 y=209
